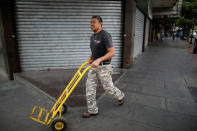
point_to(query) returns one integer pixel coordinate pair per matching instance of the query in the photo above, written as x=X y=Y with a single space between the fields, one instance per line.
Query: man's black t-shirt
x=99 y=43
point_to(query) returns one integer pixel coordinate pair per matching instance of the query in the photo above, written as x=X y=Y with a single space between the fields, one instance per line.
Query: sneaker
x=121 y=102
x=88 y=115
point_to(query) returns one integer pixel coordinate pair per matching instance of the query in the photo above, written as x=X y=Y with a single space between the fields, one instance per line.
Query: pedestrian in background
x=195 y=44
x=102 y=51
x=158 y=36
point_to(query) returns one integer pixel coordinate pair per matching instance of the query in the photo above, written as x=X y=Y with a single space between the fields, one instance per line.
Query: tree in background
x=188 y=20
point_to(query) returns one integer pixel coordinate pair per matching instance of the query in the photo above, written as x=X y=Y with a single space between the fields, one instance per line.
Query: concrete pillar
x=129 y=32
x=10 y=44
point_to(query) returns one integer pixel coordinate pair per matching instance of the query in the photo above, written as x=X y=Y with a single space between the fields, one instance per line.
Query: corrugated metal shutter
x=147 y=32
x=139 y=28
x=56 y=33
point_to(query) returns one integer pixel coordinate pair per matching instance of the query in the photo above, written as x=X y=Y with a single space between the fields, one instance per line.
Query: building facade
x=55 y=34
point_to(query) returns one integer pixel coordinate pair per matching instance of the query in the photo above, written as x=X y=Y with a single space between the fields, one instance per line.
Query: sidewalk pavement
x=158 y=97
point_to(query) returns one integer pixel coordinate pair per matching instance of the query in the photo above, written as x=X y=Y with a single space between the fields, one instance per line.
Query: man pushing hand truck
x=102 y=51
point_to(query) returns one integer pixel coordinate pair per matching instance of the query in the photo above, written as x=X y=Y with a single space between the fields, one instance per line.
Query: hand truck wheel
x=64 y=108
x=58 y=124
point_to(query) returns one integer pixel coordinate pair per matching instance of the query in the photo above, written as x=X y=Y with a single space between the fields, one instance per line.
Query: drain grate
x=193 y=91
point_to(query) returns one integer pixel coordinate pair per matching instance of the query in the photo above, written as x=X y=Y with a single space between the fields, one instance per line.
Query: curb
x=29 y=84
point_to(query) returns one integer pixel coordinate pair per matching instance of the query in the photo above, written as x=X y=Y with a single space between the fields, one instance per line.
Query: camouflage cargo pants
x=104 y=73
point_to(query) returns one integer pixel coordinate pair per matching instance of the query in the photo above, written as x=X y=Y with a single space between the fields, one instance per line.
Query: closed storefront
x=139 y=28
x=55 y=34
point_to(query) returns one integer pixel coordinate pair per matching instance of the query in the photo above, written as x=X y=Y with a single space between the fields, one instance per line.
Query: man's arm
x=109 y=55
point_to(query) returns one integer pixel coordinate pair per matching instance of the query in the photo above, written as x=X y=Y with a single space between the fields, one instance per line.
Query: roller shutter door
x=147 y=32
x=54 y=34
x=139 y=28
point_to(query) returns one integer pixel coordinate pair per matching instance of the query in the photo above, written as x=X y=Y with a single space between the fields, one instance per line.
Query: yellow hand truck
x=46 y=117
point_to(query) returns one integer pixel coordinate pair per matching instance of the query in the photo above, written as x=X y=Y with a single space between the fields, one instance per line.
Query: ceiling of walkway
x=163 y=3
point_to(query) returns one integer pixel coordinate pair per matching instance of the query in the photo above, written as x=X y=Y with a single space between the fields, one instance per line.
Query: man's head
x=96 y=24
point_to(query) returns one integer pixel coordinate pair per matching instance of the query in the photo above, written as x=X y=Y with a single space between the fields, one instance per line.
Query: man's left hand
x=95 y=63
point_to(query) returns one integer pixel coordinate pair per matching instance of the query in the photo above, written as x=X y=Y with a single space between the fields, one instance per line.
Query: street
x=158 y=97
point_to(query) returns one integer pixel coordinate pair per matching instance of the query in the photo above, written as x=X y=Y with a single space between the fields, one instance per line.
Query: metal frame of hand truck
x=59 y=124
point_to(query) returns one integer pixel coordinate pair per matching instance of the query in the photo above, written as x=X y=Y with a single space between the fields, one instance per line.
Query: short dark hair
x=98 y=18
